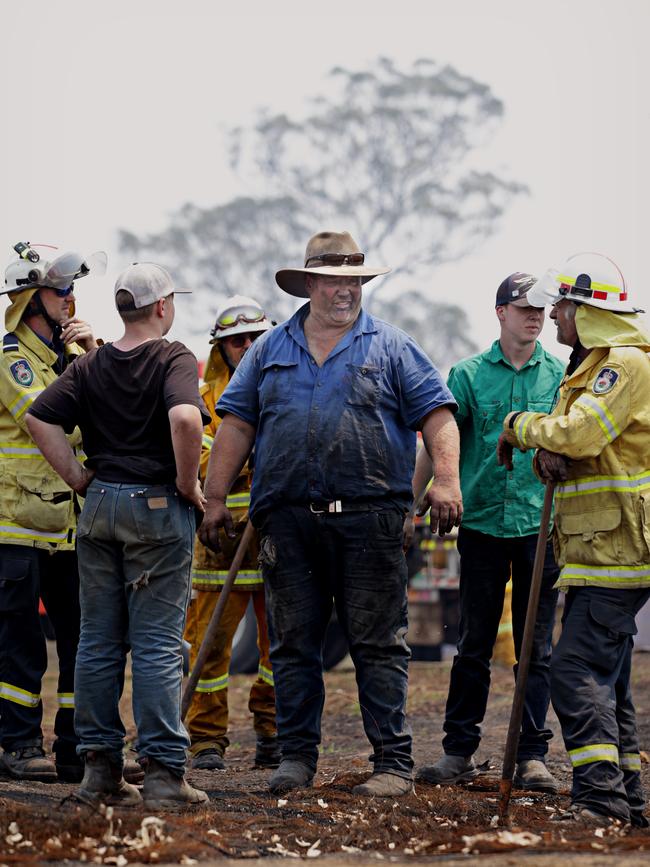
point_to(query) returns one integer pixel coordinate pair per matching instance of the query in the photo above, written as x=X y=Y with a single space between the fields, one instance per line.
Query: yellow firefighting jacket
x=209 y=569
x=602 y=423
x=36 y=505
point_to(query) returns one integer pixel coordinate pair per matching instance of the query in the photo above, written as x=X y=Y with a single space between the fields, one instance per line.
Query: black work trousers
x=590 y=690
x=356 y=561
x=486 y=563
x=26 y=574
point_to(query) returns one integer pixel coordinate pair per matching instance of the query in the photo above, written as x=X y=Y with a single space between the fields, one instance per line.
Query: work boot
x=208 y=760
x=103 y=783
x=70 y=769
x=534 y=776
x=384 y=785
x=165 y=790
x=291 y=774
x=448 y=770
x=28 y=763
x=133 y=772
x=584 y=815
x=267 y=752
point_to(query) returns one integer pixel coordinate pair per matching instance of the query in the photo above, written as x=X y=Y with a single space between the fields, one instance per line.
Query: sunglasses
x=237 y=341
x=337 y=259
x=63 y=293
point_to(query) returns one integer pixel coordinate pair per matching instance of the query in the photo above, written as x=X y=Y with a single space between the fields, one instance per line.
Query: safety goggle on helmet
x=239 y=315
x=586 y=278
x=49 y=267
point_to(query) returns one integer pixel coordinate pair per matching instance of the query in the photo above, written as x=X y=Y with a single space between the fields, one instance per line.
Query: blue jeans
x=354 y=559
x=486 y=563
x=134 y=547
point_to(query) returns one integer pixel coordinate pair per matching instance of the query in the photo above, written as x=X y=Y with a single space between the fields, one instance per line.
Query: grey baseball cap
x=147 y=282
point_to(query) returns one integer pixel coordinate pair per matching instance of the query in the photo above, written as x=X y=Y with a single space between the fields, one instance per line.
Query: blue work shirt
x=343 y=431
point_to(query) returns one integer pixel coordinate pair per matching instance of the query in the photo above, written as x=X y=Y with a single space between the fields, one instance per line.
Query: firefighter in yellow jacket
x=240 y=321
x=596 y=445
x=37 y=512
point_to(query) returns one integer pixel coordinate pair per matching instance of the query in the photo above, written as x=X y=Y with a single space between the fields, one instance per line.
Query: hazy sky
x=113 y=114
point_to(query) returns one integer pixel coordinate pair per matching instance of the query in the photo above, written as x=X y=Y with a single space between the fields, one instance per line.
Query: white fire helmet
x=49 y=267
x=587 y=278
x=239 y=315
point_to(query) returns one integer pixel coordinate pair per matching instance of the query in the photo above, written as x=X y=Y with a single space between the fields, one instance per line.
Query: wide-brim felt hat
x=292 y=280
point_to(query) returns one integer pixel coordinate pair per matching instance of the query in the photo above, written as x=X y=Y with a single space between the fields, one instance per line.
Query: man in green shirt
x=497 y=538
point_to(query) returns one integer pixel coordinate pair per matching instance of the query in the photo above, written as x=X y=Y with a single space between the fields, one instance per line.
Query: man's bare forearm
x=232 y=446
x=53 y=443
x=186 y=428
x=442 y=442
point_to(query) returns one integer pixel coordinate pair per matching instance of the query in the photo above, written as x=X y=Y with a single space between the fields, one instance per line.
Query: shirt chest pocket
x=277 y=382
x=362 y=385
x=490 y=416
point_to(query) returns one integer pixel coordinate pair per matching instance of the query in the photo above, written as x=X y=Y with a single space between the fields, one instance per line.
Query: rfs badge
x=605 y=381
x=22 y=372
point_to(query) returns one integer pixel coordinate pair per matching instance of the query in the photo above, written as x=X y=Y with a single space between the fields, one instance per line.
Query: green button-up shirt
x=487 y=387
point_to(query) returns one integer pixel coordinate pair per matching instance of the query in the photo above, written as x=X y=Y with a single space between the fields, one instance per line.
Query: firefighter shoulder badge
x=605 y=381
x=22 y=372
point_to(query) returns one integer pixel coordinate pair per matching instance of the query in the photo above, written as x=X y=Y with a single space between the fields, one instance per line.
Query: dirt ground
x=39 y=823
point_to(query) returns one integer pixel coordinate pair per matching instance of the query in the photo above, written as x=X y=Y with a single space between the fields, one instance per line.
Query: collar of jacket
x=33 y=342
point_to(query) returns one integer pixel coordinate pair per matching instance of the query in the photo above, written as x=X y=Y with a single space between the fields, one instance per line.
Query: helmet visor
x=71 y=266
x=546 y=290
x=233 y=315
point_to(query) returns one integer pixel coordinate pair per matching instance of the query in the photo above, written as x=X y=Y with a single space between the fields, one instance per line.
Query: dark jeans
x=486 y=563
x=592 y=698
x=26 y=574
x=356 y=560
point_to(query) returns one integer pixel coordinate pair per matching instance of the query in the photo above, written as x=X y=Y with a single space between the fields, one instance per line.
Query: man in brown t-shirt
x=137 y=405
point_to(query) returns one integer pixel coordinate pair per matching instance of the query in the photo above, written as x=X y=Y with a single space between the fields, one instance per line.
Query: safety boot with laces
x=449 y=770
x=209 y=759
x=28 y=763
x=103 y=783
x=165 y=790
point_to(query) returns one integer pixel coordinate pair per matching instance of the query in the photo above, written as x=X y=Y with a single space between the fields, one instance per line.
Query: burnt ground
x=39 y=823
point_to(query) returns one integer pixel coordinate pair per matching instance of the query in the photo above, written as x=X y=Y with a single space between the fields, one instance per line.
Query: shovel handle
x=516 y=714
x=213 y=625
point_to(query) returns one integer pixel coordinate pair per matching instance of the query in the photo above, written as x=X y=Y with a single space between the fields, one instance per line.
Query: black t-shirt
x=120 y=402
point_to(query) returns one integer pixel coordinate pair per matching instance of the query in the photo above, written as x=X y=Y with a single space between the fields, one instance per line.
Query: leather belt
x=336 y=507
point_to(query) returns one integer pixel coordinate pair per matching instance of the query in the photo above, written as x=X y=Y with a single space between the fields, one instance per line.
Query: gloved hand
x=551 y=467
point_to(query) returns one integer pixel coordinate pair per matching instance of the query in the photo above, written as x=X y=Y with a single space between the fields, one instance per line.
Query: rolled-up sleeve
x=422 y=388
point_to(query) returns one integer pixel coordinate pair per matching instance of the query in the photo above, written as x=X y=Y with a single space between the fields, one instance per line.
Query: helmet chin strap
x=39 y=310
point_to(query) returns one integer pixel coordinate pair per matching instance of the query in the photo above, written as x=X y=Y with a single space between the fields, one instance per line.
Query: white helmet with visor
x=239 y=315
x=586 y=278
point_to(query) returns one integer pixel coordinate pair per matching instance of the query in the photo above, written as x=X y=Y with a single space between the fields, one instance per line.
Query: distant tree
x=385 y=155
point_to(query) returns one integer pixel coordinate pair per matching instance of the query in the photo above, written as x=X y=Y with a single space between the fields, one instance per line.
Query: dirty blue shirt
x=343 y=431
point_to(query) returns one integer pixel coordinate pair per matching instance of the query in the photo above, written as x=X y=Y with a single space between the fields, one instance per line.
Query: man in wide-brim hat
x=333 y=399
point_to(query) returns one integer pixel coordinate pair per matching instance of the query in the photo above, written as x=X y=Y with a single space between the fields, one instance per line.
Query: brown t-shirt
x=120 y=402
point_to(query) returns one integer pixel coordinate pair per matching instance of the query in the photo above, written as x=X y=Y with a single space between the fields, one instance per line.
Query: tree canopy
x=391 y=156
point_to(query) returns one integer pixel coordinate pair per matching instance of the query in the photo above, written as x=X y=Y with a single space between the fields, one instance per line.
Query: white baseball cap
x=147 y=283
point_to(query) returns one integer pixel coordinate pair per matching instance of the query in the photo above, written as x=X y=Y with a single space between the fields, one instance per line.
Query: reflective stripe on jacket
x=602 y=423
x=36 y=505
x=209 y=569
